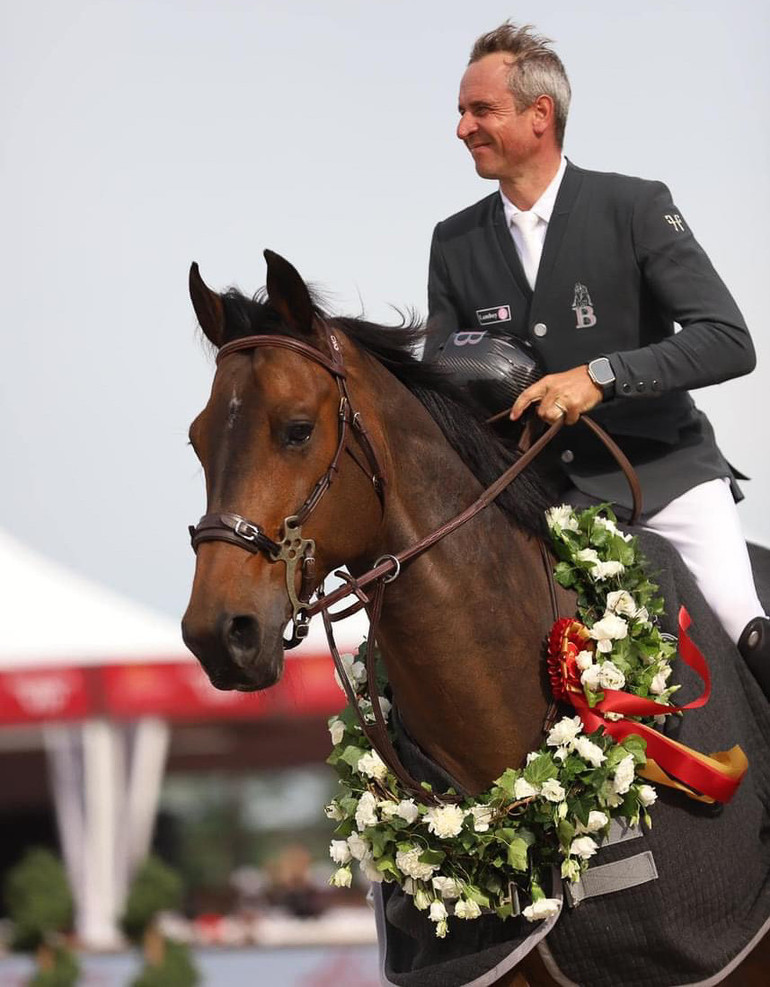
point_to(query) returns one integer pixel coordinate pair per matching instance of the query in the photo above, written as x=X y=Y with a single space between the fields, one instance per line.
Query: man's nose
x=466 y=126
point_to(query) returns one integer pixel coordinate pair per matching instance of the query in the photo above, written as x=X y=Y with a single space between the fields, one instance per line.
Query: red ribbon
x=696 y=770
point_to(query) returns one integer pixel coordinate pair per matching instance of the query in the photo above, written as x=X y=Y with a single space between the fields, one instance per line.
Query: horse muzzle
x=234 y=651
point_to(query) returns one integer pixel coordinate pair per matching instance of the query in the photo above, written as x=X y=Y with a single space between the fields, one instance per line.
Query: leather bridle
x=292 y=548
x=298 y=552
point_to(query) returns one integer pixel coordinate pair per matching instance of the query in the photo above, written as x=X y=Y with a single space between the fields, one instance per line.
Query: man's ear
x=543 y=114
x=208 y=307
x=288 y=294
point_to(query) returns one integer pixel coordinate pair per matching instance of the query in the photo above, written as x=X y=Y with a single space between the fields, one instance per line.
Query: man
x=593 y=270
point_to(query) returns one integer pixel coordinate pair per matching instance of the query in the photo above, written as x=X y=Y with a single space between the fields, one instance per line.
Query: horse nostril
x=241 y=635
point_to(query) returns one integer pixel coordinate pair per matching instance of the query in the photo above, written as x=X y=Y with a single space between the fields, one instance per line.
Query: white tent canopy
x=52 y=616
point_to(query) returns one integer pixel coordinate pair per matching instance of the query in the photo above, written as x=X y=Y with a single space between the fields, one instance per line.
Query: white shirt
x=542 y=208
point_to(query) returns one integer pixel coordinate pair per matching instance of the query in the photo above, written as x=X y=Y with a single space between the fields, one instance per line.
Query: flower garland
x=556 y=809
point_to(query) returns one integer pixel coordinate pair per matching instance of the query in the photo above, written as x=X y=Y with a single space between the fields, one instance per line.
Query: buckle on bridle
x=246 y=530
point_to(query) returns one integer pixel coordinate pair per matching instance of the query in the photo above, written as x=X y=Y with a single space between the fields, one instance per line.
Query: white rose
x=339 y=851
x=563 y=731
x=583 y=847
x=553 y=791
x=584 y=660
x=333 y=811
x=341 y=878
x=658 y=684
x=609 y=628
x=611 y=676
x=372 y=766
x=441 y=929
x=607 y=570
x=445 y=821
x=609 y=524
x=355 y=670
x=409 y=863
x=647 y=794
x=337 y=731
x=359 y=847
x=624 y=775
x=482 y=817
x=407 y=810
x=385 y=706
x=532 y=756
x=467 y=909
x=562 y=517
x=596 y=821
x=447 y=887
x=437 y=911
x=371 y=872
x=366 y=811
x=561 y=753
x=588 y=555
x=591 y=677
x=542 y=908
x=642 y=615
x=620 y=601
x=589 y=751
x=387 y=808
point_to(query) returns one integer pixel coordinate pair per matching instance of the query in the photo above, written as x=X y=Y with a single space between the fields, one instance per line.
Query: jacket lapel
x=565 y=199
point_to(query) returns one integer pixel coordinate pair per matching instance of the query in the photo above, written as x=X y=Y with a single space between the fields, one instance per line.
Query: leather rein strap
x=298 y=552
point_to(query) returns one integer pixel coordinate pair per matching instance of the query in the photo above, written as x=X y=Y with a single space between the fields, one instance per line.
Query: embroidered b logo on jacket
x=583 y=307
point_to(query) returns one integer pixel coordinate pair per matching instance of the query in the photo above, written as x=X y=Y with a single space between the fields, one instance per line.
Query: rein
x=298 y=552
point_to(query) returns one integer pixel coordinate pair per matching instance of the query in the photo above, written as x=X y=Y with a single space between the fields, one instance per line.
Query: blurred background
x=139 y=135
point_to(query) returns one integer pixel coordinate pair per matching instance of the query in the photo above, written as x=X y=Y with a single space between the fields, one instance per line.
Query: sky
x=140 y=135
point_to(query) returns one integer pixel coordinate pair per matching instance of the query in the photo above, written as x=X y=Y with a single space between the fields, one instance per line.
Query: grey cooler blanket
x=707 y=893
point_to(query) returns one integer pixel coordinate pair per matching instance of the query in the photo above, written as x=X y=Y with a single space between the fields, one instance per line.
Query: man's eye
x=298 y=433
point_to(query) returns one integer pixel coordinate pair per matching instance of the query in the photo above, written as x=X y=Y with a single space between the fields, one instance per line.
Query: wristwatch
x=600 y=372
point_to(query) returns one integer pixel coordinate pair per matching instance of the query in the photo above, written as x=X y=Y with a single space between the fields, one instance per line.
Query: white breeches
x=704 y=526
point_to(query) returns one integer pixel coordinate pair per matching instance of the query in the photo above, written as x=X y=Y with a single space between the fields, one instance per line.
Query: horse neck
x=462 y=628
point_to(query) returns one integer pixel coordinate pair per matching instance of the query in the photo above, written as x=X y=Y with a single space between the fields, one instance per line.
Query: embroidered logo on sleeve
x=675 y=220
x=583 y=307
x=496 y=313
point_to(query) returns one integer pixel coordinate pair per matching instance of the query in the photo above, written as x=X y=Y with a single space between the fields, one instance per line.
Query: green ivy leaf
x=517 y=854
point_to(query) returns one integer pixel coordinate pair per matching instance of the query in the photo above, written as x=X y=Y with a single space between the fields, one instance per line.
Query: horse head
x=272 y=439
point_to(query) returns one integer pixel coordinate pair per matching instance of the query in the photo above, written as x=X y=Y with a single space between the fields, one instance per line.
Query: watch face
x=601 y=371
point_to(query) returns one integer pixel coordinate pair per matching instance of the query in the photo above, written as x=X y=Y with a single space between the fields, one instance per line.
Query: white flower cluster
x=433 y=851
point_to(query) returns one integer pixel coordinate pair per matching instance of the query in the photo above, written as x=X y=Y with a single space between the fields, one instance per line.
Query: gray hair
x=536 y=70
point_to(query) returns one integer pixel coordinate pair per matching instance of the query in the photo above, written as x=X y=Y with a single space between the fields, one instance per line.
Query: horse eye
x=298 y=433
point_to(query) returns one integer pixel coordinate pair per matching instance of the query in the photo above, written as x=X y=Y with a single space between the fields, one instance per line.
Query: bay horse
x=462 y=627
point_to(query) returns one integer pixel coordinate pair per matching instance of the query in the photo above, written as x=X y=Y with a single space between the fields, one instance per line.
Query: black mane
x=486 y=453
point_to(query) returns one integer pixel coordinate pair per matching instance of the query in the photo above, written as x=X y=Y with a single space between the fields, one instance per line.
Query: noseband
x=292 y=548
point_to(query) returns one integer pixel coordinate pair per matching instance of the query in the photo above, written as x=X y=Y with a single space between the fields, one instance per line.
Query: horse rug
x=690 y=897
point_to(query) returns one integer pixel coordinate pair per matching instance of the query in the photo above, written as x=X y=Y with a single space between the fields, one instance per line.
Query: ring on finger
x=561 y=409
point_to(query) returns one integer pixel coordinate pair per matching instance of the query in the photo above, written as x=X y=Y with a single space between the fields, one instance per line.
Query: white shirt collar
x=544 y=205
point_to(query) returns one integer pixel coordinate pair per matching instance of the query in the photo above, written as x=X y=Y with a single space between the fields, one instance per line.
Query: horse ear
x=288 y=294
x=208 y=307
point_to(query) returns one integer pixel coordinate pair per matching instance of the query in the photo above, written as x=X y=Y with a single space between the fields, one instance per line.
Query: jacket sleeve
x=443 y=313
x=713 y=344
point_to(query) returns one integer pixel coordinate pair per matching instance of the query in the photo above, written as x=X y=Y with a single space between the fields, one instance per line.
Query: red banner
x=173 y=690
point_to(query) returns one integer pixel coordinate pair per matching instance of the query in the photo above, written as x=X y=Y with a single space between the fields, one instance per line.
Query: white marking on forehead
x=233 y=408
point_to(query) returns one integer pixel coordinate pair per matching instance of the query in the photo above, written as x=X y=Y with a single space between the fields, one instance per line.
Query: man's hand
x=568 y=394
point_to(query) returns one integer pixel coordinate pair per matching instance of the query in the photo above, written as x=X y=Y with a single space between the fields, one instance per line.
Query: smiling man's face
x=500 y=138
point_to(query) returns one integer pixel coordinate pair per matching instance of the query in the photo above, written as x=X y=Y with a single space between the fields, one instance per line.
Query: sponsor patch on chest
x=583 y=307
x=493 y=314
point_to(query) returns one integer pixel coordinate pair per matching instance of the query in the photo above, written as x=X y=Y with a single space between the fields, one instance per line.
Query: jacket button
x=640 y=386
x=540 y=329
x=567 y=456
x=626 y=388
x=655 y=385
